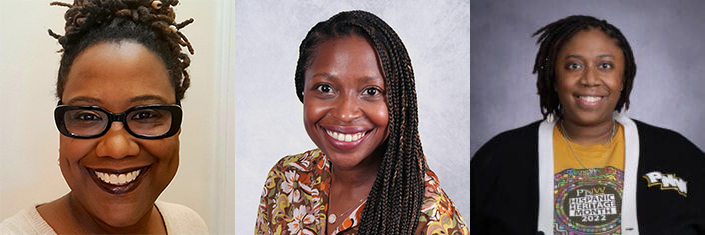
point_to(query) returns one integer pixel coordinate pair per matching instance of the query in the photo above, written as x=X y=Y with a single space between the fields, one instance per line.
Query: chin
x=588 y=118
x=120 y=216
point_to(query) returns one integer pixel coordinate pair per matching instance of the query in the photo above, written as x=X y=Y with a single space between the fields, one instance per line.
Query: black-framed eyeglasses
x=153 y=121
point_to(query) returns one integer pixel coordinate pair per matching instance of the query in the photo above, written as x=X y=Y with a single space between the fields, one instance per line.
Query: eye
x=85 y=117
x=324 y=88
x=372 y=91
x=145 y=115
x=573 y=66
x=605 y=66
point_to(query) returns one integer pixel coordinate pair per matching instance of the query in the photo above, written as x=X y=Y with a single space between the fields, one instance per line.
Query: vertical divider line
x=223 y=165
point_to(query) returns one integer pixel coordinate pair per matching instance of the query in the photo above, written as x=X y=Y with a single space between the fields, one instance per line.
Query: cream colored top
x=178 y=219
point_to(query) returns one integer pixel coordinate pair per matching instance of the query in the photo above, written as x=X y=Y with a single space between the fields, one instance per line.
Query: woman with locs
x=587 y=168
x=369 y=174
x=120 y=82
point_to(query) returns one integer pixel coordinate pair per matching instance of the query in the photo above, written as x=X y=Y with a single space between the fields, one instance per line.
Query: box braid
x=552 y=38
x=394 y=202
x=150 y=23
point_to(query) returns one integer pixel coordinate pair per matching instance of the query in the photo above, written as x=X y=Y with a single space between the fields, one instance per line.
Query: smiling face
x=345 y=106
x=117 y=76
x=589 y=71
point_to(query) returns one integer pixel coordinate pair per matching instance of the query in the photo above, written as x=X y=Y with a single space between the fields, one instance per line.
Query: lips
x=346 y=138
x=118 y=181
x=589 y=101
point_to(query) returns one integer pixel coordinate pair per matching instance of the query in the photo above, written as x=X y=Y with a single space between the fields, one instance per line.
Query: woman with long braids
x=587 y=168
x=120 y=82
x=369 y=174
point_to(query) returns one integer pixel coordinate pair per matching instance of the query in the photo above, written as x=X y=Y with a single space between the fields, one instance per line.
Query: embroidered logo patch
x=667 y=182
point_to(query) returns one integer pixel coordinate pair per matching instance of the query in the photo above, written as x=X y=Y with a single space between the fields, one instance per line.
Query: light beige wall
x=29 y=139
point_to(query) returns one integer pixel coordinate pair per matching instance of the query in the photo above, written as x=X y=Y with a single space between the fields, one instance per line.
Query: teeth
x=118 y=179
x=345 y=137
x=590 y=98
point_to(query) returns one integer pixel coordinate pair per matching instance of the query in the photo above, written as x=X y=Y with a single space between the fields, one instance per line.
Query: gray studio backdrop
x=268 y=115
x=666 y=37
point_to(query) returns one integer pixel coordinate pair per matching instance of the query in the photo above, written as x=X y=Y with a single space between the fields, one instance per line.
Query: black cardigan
x=504 y=183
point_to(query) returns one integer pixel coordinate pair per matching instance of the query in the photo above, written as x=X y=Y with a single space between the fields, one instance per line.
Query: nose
x=117 y=143
x=346 y=108
x=589 y=78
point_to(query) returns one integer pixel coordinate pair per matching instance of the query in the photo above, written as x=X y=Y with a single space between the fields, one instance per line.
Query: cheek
x=616 y=83
x=73 y=150
x=164 y=149
x=562 y=87
x=379 y=115
x=71 y=153
x=313 y=111
x=166 y=152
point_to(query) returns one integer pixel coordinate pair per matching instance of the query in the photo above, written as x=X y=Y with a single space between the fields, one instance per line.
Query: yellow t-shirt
x=588 y=200
x=593 y=156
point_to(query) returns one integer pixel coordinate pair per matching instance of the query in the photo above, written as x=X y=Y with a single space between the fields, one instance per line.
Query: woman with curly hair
x=120 y=82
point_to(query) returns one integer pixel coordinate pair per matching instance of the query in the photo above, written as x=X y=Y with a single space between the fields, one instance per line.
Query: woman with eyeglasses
x=121 y=78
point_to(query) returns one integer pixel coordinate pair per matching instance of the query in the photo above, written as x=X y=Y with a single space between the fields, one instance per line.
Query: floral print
x=295 y=201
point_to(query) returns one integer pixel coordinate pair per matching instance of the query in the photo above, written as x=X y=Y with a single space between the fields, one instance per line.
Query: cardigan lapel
x=546 y=184
x=546 y=176
x=631 y=165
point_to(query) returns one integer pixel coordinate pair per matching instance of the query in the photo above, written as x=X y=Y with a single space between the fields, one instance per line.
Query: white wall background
x=241 y=112
x=269 y=118
x=29 y=139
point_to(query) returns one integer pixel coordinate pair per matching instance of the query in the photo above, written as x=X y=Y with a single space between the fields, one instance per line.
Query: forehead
x=346 y=47
x=350 y=55
x=117 y=71
x=591 y=41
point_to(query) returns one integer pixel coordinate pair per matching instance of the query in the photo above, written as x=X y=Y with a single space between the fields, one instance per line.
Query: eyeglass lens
x=144 y=122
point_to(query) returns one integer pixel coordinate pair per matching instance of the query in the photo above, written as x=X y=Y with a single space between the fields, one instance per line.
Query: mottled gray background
x=666 y=37
x=268 y=116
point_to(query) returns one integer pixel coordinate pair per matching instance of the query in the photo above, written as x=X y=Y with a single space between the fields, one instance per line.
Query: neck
x=86 y=223
x=355 y=182
x=360 y=176
x=600 y=133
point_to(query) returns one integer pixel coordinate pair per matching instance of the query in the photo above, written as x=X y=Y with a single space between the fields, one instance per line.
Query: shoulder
x=300 y=162
x=180 y=219
x=438 y=213
x=27 y=221
x=657 y=139
x=649 y=132
x=507 y=144
x=310 y=161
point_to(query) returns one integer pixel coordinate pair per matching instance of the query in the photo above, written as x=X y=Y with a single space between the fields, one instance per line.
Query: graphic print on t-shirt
x=588 y=201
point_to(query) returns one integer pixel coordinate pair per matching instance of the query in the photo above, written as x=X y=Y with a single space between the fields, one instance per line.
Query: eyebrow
x=599 y=56
x=325 y=75
x=370 y=79
x=132 y=100
x=364 y=79
x=84 y=99
x=148 y=98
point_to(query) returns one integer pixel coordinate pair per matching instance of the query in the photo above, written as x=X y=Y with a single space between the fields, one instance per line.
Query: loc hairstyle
x=552 y=38
x=149 y=23
x=395 y=200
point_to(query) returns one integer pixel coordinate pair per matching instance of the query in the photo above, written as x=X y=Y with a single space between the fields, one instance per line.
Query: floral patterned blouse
x=295 y=200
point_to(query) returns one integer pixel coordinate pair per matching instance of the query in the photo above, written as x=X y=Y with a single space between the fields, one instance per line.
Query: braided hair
x=394 y=202
x=149 y=23
x=552 y=38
